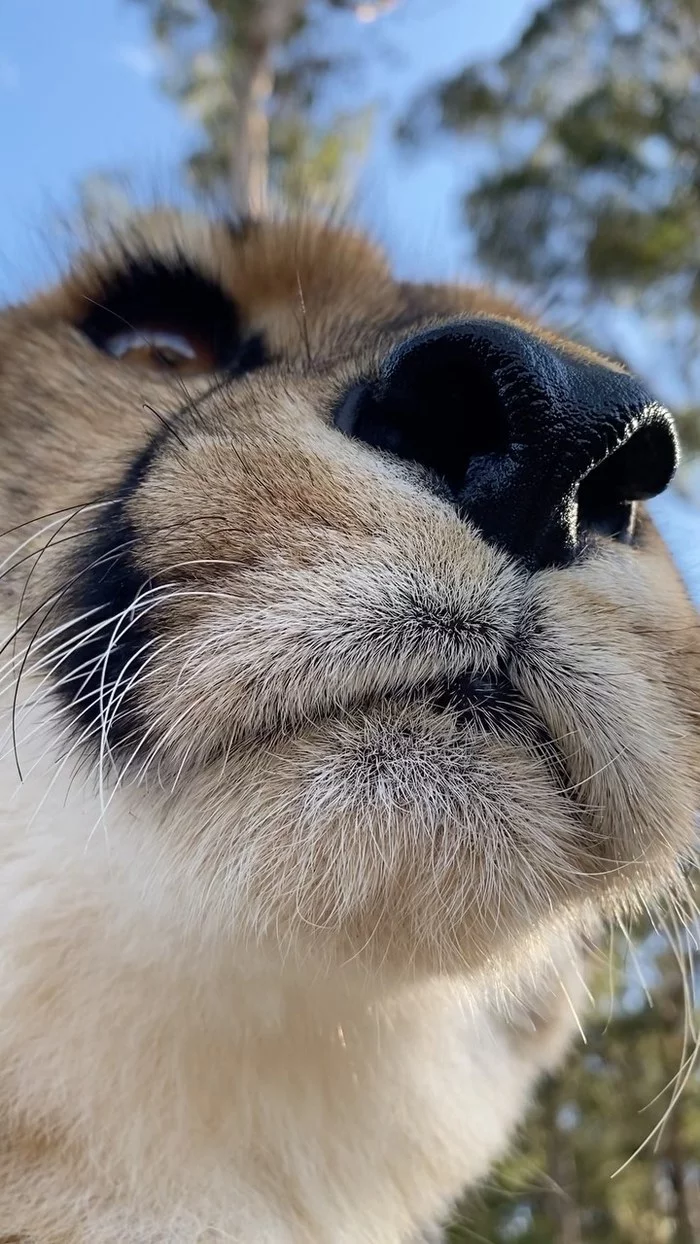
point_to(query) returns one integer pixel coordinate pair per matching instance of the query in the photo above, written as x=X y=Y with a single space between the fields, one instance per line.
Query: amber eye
x=166 y=318
x=161 y=349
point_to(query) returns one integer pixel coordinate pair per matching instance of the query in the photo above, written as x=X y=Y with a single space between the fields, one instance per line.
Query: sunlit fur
x=286 y=968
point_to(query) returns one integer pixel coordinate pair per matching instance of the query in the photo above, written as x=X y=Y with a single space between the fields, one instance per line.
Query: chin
x=441 y=798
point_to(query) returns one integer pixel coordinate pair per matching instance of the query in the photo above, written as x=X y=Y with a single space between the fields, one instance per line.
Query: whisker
x=304 y=321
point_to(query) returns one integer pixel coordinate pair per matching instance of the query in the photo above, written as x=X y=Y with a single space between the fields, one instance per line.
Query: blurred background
x=550 y=148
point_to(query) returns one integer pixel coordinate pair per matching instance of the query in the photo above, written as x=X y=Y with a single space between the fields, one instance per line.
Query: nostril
x=641 y=468
x=433 y=405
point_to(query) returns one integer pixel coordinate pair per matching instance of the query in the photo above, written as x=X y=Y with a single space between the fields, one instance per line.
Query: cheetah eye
x=162 y=350
x=168 y=318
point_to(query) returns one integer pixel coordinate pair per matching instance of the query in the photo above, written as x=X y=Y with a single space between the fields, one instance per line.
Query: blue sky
x=79 y=93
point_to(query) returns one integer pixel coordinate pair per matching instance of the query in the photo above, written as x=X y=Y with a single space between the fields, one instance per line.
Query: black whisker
x=166 y=424
x=39 y=518
x=304 y=321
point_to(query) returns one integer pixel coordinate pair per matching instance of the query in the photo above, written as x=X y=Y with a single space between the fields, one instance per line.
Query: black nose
x=537 y=444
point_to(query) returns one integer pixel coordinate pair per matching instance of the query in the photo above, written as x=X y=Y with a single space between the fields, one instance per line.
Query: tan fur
x=290 y=975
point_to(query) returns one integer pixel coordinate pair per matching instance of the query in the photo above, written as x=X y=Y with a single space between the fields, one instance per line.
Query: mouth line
x=491 y=702
x=480 y=703
x=485 y=700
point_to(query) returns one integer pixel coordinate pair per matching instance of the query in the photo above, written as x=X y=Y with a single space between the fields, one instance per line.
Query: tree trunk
x=267 y=26
x=563 y=1209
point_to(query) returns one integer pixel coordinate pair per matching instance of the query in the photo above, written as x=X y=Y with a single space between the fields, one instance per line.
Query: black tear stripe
x=104 y=581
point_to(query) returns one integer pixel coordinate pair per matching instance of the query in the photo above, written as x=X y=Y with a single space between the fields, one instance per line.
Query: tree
x=251 y=71
x=570 y=1179
x=592 y=194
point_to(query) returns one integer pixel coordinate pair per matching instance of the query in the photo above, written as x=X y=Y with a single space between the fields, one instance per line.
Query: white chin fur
x=302 y=993
x=188 y=1088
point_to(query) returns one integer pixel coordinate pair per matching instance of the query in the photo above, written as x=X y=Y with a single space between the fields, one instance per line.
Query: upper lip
x=483 y=697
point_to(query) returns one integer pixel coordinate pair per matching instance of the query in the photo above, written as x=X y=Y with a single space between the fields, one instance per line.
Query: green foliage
x=566 y=1181
x=312 y=163
x=688 y=421
x=629 y=245
x=598 y=105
